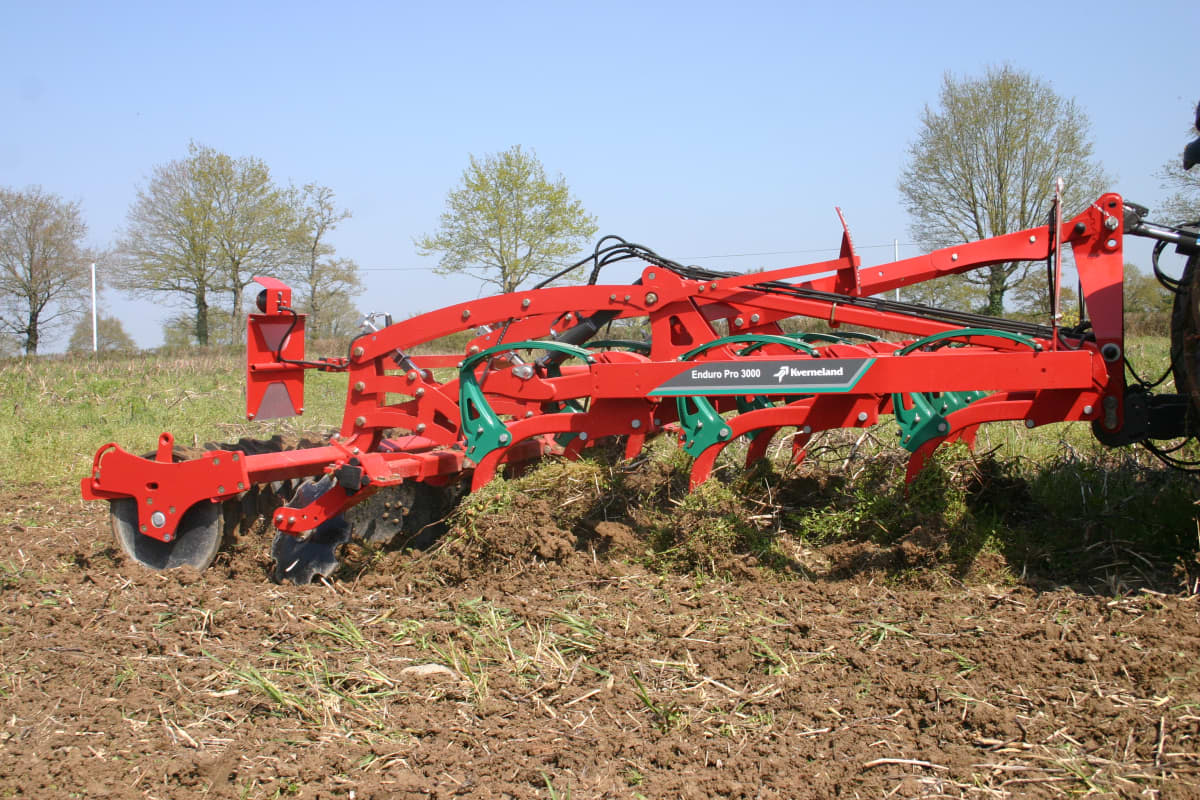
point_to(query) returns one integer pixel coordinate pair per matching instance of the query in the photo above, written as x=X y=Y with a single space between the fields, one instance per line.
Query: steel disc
x=197 y=539
x=301 y=559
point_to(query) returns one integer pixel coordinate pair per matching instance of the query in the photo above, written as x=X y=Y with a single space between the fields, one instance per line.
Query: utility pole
x=95 y=321
x=896 y=257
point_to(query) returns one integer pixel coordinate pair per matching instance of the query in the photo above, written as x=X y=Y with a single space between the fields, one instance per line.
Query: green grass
x=56 y=411
x=1026 y=495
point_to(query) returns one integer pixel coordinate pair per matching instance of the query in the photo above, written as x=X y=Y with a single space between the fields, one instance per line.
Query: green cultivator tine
x=755 y=339
x=702 y=425
x=967 y=333
x=482 y=427
x=927 y=418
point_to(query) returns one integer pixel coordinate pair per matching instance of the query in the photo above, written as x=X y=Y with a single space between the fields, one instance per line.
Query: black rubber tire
x=1185 y=335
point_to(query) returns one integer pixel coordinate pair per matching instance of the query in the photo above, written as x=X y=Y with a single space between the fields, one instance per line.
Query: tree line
x=983 y=164
x=197 y=233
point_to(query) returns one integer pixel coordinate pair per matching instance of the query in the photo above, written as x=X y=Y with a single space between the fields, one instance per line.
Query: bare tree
x=324 y=284
x=984 y=164
x=44 y=274
x=252 y=221
x=169 y=247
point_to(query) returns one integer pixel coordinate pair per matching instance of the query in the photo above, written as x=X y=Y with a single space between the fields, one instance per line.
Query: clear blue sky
x=699 y=129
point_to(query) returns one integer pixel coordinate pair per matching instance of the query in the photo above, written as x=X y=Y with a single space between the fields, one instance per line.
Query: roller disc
x=300 y=560
x=197 y=539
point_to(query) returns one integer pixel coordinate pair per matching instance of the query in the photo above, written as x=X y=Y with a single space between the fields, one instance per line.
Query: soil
x=561 y=666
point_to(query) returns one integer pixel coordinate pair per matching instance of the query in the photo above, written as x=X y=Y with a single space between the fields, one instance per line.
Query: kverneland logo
x=786 y=371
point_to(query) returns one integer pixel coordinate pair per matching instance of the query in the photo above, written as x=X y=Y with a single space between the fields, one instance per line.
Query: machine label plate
x=768 y=376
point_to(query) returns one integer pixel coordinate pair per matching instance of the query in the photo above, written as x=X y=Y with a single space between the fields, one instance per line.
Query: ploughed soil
x=561 y=666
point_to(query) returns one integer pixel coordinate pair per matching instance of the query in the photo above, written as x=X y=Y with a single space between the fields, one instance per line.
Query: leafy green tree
x=44 y=267
x=169 y=246
x=110 y=336
x=252 y=220
x=324 y=285
x=1031 y=298
x=507 y=222
x=179 y=330
x=204 y=226
x=984 y=163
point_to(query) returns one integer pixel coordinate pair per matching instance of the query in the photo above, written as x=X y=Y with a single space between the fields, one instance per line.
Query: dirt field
x=573 y=671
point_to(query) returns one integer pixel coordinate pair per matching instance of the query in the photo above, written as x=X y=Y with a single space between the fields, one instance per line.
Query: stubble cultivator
x=544 y=375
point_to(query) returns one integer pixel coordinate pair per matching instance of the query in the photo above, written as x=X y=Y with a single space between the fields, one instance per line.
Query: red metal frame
x=402 y=419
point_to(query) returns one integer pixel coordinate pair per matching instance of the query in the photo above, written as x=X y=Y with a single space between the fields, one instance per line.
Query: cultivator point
x=717 y=359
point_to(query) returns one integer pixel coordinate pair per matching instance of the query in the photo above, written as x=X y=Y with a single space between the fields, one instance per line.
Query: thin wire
x=392 y=268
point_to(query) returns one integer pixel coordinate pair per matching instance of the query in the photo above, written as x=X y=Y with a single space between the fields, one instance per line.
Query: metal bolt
x=806 y=430
x=420 y=427
x=143 y=529
x=583 y=436
x=651 y=298
x=420 y=392
x=355 y=450
x=360 y=421
x=657 y=422
x=1029 y=423
x=635 y=424
x=279 y=519
x=627 y=298
x=473 y=349
x=359 y=386
x=699 y=426
x=525 y=303
x=739 y=322
x=862 y=416
x=216 y=462
x=528 y=414
x=1110 y=244
x=158 y=519
x=1110 y=351
x=466 y=313
x=612 y=298
x=358 y=352
x=1087 y=410
x=943 y=427
x=168 y=537
x=291 y=520
x=725 y=433
x=503 y=438
x=651 y=275
x=713 y=285
x=1110 y=223
x=703 y=287
x=411 y=375
x=954 y=256
x=479 y=430
x=220 y=490
x=241 y=486
x=1032 y=239
x=754 y=318
x=249 y=416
